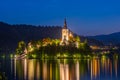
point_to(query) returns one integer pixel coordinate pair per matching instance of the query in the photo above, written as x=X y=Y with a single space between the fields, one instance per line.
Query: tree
x=21 y=47
x=86 y=47
x=78 y=42
x=78 y=39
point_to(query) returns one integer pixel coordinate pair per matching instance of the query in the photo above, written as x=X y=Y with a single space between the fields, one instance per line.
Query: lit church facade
x=66 y=33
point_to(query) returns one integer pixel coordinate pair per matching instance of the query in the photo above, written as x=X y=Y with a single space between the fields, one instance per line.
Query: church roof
x=65 y=24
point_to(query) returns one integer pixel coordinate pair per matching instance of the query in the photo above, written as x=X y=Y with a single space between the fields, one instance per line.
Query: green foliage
x=21 y=47
x=51 y=47
x=84 y=48
x=78 y=39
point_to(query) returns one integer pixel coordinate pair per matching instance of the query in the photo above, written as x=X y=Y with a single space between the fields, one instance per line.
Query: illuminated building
x=66 y=33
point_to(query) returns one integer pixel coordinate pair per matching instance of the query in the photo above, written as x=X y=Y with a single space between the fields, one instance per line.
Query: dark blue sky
x=85 y=17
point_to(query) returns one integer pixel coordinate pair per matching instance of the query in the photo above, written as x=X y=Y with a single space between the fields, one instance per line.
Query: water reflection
x=14 y=69
x=64 y=72
x=63 y=69
x=116 y=66
x=95 y=69
x=77 y=71
x=25 y=68
x=45 y=76
x=38 y=71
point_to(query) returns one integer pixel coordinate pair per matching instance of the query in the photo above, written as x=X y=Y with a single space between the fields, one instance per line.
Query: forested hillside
x=10 y=35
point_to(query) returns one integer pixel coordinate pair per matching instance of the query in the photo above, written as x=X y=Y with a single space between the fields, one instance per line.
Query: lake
x=61 y=69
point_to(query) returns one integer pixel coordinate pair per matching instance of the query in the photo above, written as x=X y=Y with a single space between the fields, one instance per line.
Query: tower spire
x=65 y=24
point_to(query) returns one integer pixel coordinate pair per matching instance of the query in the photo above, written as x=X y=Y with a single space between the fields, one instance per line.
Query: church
x=66 y=34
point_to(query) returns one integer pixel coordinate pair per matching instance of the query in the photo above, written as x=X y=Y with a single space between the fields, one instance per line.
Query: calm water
x=61 y=69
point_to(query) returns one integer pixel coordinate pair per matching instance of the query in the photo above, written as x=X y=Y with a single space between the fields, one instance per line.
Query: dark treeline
x=10 y=35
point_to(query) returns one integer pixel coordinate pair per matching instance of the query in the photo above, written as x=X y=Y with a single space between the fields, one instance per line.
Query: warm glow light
x=50 y=71
x=77 y=71
x=45 y=71
x=67 y=72
x=64 y=72
x=25 y=68
x=38 y=71
x=95 y=68
x=31 y=70
x=61 y=72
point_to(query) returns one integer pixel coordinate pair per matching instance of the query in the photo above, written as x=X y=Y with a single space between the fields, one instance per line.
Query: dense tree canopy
x=53 y=47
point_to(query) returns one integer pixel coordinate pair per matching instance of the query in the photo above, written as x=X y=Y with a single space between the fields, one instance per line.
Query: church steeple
x=66 y=34
x=65 y=24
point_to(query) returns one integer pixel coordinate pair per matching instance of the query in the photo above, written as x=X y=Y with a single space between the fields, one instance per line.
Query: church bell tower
x=65 y=32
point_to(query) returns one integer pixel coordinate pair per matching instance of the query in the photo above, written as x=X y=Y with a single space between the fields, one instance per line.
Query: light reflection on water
x=62 y=69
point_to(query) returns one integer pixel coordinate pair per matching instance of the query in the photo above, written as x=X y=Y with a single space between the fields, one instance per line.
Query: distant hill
x=10 y=35
x=113 y=38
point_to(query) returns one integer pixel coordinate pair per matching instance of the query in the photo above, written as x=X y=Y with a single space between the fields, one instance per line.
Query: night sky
x=84 y=17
